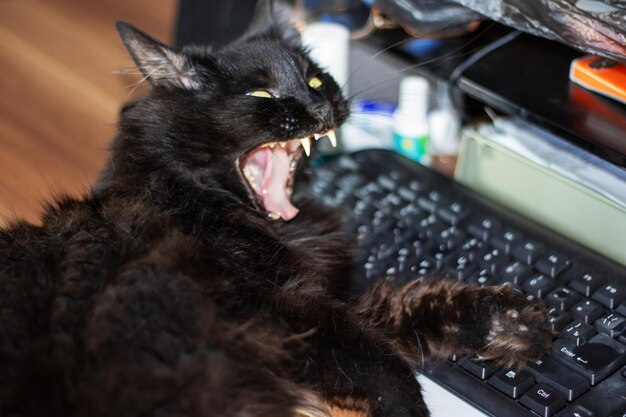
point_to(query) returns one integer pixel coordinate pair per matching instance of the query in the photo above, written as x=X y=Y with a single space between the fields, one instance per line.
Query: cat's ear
x=270 y=20
x=160 y=64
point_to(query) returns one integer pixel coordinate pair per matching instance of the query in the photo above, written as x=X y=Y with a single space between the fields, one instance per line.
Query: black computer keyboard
x=413 y=223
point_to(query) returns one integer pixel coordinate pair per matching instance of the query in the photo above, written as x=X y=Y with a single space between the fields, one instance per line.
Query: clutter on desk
x=600 y=75
x=410 y=120
x=593 y=26
x=444 y=124
x=558 y=155
x=546 y=178
x=369 y=127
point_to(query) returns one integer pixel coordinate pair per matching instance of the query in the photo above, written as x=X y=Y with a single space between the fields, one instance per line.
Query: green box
x=543 y=195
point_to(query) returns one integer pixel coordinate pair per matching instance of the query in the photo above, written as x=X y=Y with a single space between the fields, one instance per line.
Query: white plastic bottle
x=410 y=122
x=445 y=131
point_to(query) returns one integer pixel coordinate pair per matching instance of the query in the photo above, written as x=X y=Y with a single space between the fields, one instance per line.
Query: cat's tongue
x=273 y=187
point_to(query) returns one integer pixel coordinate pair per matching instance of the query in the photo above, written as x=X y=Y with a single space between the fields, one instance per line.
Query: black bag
x=593 y=26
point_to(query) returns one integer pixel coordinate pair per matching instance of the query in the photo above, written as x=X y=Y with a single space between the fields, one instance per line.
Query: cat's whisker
x=400 y=73
x=373 y=57
x=452 y=54
x=126 y=71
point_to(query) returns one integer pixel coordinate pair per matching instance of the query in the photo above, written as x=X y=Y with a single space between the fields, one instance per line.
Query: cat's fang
x=306 y=145
x=332 y=138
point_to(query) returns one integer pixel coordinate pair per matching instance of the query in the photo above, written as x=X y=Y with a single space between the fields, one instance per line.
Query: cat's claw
x=517 y=329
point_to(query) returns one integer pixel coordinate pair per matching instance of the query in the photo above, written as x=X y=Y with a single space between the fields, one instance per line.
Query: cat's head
x=239 y=117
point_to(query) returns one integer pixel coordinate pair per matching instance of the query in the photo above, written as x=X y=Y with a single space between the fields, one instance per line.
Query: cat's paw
x=517 y=329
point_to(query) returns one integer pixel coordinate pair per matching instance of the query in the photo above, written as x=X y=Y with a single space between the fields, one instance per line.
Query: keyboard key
x=578 y=332
x=552 y=263
x=610 y=295
x=512 y=382
x=564 y=380
x=431 y=201
x=562 y=298
x=516 y=272
x=539 y=285
x=595 y=360
x=611 y=324
x=450 y=237
x=587 y=311
x=543 y=400
x=424 y=268
x=577 y=411
x=621 y=309
x=483 y=228
x=348 y=163
x=493 y=260
x=392 y=201
x=350 y=182
x=473 y=248
x=454 y=213
x=529 y=251
x=461 y=267
x=558 y=318
x=407 y=194
x=506 y=240
x=586 y=282
x=484 y=278
x=387 y=182
x=416 y=185
x=620 y=411
x=480 y=369
x=441 y=258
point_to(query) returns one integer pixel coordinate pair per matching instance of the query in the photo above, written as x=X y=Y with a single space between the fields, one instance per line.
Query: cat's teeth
x=248 y=175
x=269 y=144
x=306 y=145
x=332 y=138
x=273 y=216
x=317 y=136
x=282 y=144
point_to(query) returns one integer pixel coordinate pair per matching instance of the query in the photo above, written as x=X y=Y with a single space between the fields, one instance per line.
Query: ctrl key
x=543 y=400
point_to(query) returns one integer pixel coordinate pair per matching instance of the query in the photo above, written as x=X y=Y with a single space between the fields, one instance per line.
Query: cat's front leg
x=441 y=318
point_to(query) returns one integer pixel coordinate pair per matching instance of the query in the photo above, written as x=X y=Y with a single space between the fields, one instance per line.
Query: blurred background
x=65 y=76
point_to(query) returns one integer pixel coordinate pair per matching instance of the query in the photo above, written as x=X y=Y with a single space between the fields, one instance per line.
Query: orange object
x=600 y=75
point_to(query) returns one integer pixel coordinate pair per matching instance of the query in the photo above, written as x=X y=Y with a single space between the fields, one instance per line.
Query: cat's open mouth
x=269 y=171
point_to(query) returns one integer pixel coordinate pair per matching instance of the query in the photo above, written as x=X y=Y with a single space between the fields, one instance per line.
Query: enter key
x=595 y=360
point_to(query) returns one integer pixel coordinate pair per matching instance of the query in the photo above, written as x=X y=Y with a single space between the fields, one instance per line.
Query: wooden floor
x=62 y=83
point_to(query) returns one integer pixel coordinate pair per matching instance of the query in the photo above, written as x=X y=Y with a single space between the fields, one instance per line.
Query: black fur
x=168 y=292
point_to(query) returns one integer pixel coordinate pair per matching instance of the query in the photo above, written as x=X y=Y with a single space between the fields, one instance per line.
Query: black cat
x=195 y=280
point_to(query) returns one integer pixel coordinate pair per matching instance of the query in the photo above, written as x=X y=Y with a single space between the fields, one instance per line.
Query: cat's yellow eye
x=315 y=83
x=261 y=93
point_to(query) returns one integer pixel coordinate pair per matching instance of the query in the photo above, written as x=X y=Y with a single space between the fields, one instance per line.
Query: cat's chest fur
x=233 y=257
